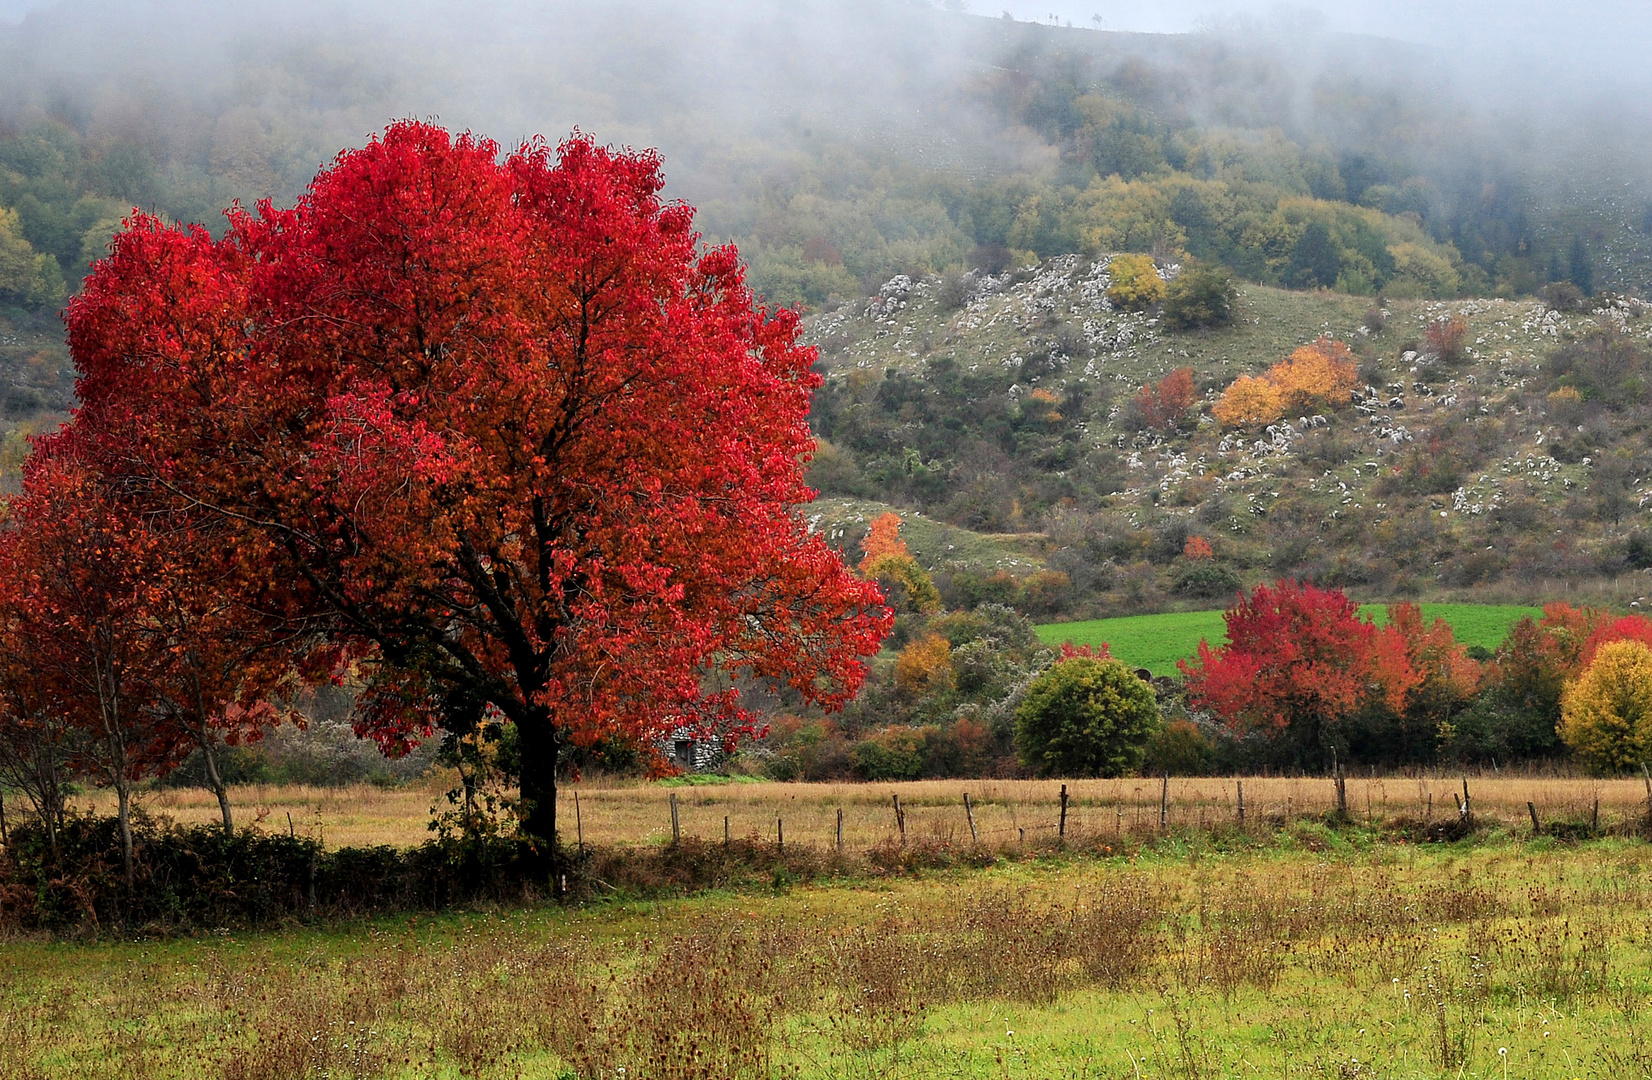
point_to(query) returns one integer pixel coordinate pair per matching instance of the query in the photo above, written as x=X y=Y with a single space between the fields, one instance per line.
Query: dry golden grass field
x=1006 y=812
x=1324 y=956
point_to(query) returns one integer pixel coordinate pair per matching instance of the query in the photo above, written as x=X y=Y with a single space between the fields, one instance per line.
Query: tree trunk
x=123 y=792
x=218 y=787
x=539 y=749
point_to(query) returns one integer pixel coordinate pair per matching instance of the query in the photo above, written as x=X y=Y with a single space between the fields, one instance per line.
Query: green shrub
x=1206 y=579
x=1178 y=748
x=1085 y=717
x=895 y=753
x=1201 y=295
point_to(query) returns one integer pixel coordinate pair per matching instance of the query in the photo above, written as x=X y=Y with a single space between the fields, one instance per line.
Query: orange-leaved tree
x=501 y=427
x=886 y=560
x=883 y=537
x=1317 y=376
x=1249 y=401
x=1425 y=678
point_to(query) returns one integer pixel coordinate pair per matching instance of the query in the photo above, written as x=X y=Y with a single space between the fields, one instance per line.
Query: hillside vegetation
x=1510 y=464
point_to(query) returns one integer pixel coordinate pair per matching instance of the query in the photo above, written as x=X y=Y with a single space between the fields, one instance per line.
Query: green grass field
x=1156 y=642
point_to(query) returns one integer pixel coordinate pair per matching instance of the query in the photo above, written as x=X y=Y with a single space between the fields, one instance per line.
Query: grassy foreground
x=1310 y=954
x=1156 y=642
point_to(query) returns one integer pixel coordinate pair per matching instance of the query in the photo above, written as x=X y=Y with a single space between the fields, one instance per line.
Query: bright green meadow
x=1156 y=642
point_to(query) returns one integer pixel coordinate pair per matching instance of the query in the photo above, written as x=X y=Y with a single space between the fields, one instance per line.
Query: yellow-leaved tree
x=925 y=666
x=1135 y=283
x=1606 y=715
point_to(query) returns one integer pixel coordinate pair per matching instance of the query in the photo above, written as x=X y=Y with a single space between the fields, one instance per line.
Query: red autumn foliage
x=1628 y=628
x=1429 y=674
x=75 y=596
x=1198 y=548
x=1069 y=651
x=118 y=644
x=1298 y=659
x=1163 y=404
x=499 y=427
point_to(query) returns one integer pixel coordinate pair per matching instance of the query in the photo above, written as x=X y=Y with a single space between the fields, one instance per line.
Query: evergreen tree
x=1315 y=261
x=1582 y=267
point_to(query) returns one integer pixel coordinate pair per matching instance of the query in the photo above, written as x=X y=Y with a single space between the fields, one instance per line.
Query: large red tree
x=501 y=425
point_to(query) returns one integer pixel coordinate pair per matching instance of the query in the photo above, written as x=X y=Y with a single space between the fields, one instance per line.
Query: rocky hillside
x=1518 y=468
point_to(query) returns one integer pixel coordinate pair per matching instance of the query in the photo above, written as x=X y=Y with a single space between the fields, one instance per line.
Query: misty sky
x=1582 y=43
x=1581 y=40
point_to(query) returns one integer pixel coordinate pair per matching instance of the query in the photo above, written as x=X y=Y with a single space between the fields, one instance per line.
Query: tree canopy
x=499 y=428
x=1087 y=715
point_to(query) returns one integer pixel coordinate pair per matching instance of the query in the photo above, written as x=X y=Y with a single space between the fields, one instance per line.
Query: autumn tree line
x=1302 y=681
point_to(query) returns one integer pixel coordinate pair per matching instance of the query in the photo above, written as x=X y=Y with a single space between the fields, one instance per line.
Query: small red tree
x=1424 y=674
x=501 y=428
x=75 y=563
x=1627 y=628
x=36 y=737
x=1298 y=661
x=1163 y=404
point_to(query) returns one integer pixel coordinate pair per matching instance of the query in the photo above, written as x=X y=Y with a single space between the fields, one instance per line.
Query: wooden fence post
x=1241 y=785
x=900 y=819
x=1342 y=792
x=1594 y=816
x=725 y=830
x=1164 y=803
x=1532 y=810
x=969 y=814
x=1464 y=811
x=840 y=830
x=1647 y=776
x=780 y=831
x=1061 y=828
x=676 y=829
x=579 y=824
x=5 y=837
